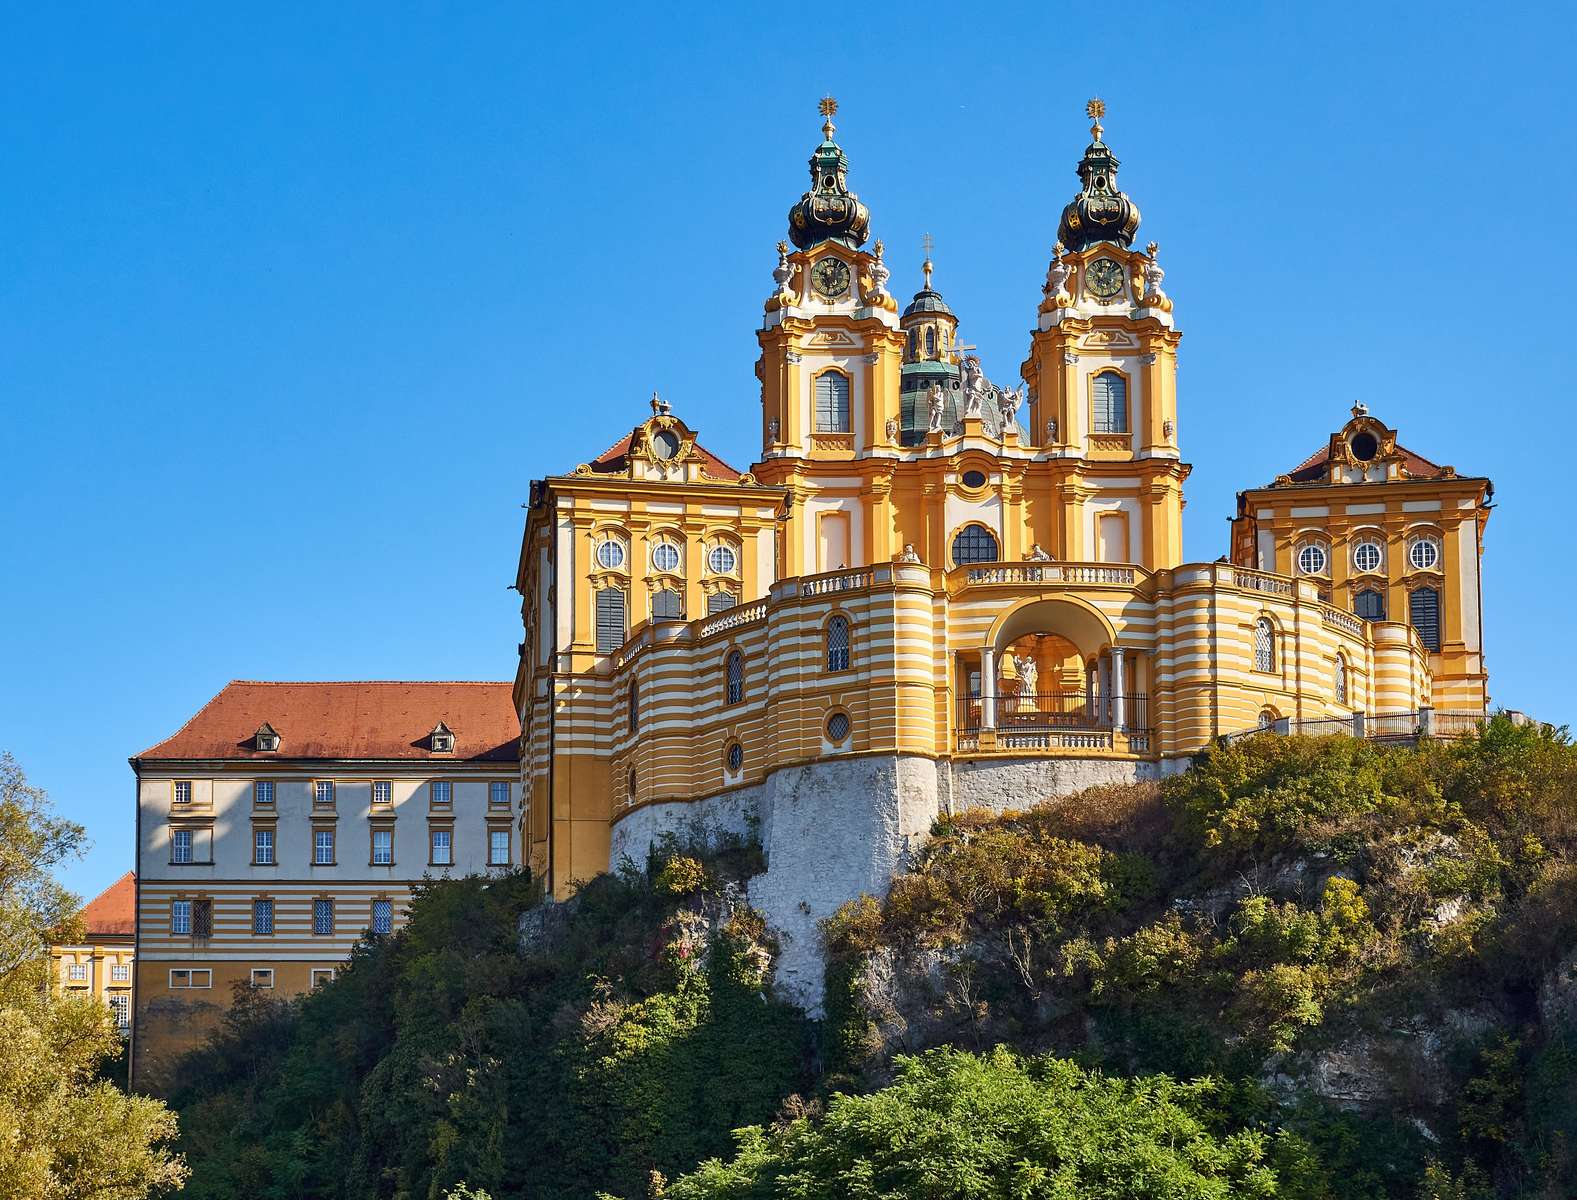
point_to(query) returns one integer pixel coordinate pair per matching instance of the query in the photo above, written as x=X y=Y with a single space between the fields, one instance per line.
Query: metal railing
x=1380 y=727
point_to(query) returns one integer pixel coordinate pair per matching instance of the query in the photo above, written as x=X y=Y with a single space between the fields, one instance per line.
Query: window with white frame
x=323 y=916
x=120 y=973
x=666 y=557
x=498 y=847
x=263 y=847
x=442 y=841
x=182 y=978
x=1264 y=645
x=383 y=916
x=181 y=846
x=832 y=402
x=120 y=1005
x=610 y=554
x=1424 y=553
x=1109 y=403
x=610 y=619
x=722 y=559
x=1367 y=556
x=323 y=847
x=498 y=794
x=77 y=972
x=183 y=791
x=181 y=917
x=838 y=644
x=382 y=847
x=382 y=793
x=1313 y=559
x=263 y=792
x=1341 y=680
x=263 y=978
x=262 y=916
x=322 y=976
x=323 y=793
x=442 y=792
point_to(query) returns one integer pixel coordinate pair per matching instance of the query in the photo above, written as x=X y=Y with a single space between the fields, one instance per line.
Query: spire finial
x=926 y=243
x=828 y=107
x=660 y=407
x=1095 y=110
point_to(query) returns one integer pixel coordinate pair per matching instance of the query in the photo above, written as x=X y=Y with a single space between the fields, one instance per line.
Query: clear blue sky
x=292 y=307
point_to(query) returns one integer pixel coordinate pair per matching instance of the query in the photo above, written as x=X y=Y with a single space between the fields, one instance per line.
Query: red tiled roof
x=372 y=720
x=114 y=910
x=614 y=458
x=1313 y=467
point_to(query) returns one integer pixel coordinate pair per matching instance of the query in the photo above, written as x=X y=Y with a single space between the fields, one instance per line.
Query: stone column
x=988 y=689
x=1119 y=701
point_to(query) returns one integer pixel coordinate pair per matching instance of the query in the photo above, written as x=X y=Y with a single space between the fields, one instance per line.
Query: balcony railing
x=1068 y=573
x=1055 y=721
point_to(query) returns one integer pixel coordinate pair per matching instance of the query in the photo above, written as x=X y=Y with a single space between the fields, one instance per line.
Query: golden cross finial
x=927 y=243
x=827 y=108
x=1095 y=110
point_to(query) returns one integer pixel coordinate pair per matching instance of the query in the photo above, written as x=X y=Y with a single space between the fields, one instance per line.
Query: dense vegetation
x=1305 y=968
x=67 y=1131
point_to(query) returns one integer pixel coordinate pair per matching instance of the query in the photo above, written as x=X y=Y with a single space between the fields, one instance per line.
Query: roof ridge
x=370 y=682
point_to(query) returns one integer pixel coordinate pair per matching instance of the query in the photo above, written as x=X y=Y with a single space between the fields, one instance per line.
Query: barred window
x=1109 y=393
x=1423 y=612
x=667 y=605
x=1264 y=645
x=735 y=756
x=838 y=644
x=383 y=916
x=263 y=847
x=203 y=918
x=262 y=916
x=610 y=620
x=974 y=544
x=837 y=727
x=832 y=402
x=735 y=672
x=323 y=916
x=1341 y=680
x=323 y=847
x=382 y=847
x=1369 y=604
x=719 y=602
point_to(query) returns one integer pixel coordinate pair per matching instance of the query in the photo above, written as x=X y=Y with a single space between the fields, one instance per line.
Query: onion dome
x=829 y=210
x=928 y=299
x=1099 y=213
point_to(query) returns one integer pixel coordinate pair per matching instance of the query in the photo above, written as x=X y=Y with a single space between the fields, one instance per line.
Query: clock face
x=1105 y=278
x=831 y=277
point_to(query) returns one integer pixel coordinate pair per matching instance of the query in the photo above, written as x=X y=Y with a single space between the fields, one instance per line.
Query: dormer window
x=265 y=739
x=1364 y=446
x=442 y=739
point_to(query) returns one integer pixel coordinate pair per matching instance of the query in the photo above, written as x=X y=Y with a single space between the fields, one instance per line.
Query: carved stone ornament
x=794 y=356
x=1148 y=359
x=872 y=359
x=1168 y=428
x=892 y=429
x=879 y=274
x=936 y=400
x=747 y=480
x=783 y=274
x=1069 y=358
x=1037 y=554
x=772 y=432
x=909 y=554
x=1051 y=430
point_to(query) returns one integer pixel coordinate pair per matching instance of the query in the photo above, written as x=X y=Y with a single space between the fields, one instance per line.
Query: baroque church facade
x=930 y=592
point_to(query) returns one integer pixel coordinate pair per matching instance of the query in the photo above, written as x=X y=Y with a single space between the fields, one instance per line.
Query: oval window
x=1425 y=554
x=610 y=555
x=665 y=445
x=722 y=560
x=1365 y=447
x=837 y=727
x=665 y=556
x=1367 y=556
x=735 y=756
x=1311 y=559
x=974 y=479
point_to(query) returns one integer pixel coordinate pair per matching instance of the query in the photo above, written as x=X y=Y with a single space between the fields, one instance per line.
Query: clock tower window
x=832 y=402
x=1109 y=397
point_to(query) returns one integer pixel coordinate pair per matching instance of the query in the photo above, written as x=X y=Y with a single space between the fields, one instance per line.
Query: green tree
x=67 y=1133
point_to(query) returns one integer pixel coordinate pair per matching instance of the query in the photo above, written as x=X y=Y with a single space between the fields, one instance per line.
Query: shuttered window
x=838 y=644
x=1369 y=604
x=832 y=402
x=1423 y=610
x=1264 y=646
x=667 y=605
x=610 y=620
x=736 y=677
x=719 y=601
x=1111 y=403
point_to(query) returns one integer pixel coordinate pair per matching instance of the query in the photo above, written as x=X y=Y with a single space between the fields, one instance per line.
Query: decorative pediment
x=832 y=337
x=1109 y=339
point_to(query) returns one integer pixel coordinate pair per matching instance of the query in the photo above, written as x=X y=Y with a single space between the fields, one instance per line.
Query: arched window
x=734 y=671
x=610 y=619
x=838 y=644
x=1267 y=718
x=719 y=601
x=1423 y=612
x=930 y=341
x=635 y=707
x=667 y=605
x=1341 y=680
x=1369 y=604
x=832 y=402
x=1110 y=398
x=1264 y=645
x=974 y=544
x=914 y=346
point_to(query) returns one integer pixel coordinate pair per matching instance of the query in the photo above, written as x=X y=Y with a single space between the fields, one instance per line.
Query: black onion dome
x=829 y=210
x=927 y=300
x=1100 y=212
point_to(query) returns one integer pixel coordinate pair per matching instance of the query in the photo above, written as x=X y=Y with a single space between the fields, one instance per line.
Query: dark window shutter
x=1370 y=605
x=610 y=620
x=1423 y=610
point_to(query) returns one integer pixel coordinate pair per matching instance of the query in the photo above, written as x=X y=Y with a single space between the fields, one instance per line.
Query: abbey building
x=929 y=591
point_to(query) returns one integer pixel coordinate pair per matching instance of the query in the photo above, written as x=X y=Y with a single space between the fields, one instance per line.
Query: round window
x=665 y=556
x=1424 y=554
x=610 y=555
x=974 y=479
x=665 y=444
x=735 y=756
x=1367 y=556
x=1312 y=559
x=722 y=560
x=1364 y=447
x=837 y=727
